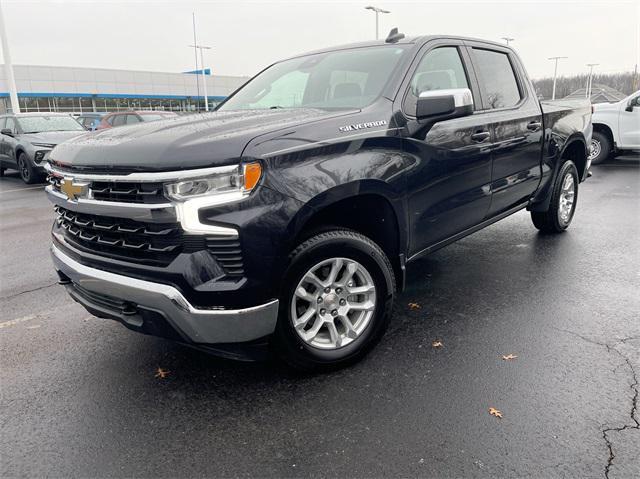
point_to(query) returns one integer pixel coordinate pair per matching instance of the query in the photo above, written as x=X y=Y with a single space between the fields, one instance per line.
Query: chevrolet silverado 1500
x=289 y=215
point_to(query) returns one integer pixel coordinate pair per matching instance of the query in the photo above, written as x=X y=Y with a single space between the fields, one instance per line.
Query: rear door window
x=119 y=120
x=498 y=82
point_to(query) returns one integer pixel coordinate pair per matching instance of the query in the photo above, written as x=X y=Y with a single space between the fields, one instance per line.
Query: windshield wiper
x=276 y=107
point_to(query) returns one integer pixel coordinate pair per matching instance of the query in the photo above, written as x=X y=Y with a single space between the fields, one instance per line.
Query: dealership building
x=77 y=90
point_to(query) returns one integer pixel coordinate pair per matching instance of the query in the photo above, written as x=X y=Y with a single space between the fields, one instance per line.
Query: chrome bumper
x=203 y=326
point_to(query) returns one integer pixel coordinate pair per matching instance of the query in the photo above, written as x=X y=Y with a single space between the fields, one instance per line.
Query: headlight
x=50 y=146
x=239 y=179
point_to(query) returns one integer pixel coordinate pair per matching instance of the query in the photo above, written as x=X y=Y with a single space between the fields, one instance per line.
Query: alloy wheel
x=567 y=198
x=333 y=303
x=24 y=169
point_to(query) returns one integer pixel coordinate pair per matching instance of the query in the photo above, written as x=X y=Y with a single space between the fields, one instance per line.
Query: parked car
x=90 y=120
x=616 y=128
x=290 y=214
x=121 y=118
x=27 y=138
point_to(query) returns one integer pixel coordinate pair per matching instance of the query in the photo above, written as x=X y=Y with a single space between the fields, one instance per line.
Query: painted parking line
x=13 y=322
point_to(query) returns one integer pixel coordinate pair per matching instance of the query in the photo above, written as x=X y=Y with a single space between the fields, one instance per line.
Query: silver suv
x=27 y=138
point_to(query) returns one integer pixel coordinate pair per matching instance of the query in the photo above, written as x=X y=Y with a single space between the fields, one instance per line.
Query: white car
x=616 y=126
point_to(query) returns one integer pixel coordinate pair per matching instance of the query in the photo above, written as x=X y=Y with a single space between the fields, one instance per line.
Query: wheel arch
x=605 y=130
x=575 y=149
x=19 y=150
x=364 y=206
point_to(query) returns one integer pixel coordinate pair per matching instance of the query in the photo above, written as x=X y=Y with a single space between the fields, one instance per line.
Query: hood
x=192 y=141
x=51 y=137
x=605 y=106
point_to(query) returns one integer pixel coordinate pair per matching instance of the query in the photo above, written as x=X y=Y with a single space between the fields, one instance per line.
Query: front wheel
x=562 y=206
x=336 y=301
x=25 y=169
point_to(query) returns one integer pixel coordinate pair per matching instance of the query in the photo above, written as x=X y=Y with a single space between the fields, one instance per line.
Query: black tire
x=2 y=172
x=551 y=221
x=26 y=170
x=604 y=148
x=337 y=243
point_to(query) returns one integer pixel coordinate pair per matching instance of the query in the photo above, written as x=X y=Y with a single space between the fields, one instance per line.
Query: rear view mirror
x=6 y=131
x=438 y=105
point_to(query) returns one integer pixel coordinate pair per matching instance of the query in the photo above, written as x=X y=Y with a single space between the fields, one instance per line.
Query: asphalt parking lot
x=79 y=396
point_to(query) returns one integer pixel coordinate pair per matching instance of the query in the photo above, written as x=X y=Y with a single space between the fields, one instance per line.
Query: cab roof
x=413 y=40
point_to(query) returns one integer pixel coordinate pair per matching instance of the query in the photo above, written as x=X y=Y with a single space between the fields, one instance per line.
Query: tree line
x=625 y=83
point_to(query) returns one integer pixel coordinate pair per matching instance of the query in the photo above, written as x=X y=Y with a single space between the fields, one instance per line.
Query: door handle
x=534 y=126
x=480 y=136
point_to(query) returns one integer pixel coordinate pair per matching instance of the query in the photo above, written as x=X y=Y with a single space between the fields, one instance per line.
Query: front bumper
x=149 y=307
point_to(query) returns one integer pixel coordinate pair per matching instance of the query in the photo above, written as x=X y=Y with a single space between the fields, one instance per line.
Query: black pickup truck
x=288 y=216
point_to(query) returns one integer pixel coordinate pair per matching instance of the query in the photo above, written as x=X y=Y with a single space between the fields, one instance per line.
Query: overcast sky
x=248 y=35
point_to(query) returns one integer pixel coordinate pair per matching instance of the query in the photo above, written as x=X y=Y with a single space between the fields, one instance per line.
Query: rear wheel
x=25 y=169
x=2 y=172
x=336 y=301
x=563 y=202
x=601 y=148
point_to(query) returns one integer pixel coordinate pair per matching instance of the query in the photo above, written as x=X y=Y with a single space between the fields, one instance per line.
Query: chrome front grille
x=123 y=192
x=127 y=217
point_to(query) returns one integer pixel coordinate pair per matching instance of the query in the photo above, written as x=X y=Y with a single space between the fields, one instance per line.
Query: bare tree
x=626 y=83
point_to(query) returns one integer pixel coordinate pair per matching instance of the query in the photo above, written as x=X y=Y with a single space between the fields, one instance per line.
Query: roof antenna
x=394 y=36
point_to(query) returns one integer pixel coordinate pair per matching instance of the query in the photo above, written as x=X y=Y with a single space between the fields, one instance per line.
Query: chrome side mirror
x=438 y=105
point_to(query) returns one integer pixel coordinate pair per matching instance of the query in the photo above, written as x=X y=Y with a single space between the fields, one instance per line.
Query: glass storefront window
x=85 y=104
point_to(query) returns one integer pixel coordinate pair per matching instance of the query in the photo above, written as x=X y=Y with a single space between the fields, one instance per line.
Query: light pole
x=555 y=74
x=8 y=66
x=195 y=53
x=204 y=78
x=590 y=79
x=508 y=40
x=378 y=11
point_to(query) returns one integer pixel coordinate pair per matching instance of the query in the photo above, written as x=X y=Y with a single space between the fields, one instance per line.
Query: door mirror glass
x=633 y=102
x=438 y=105
x=6 y=131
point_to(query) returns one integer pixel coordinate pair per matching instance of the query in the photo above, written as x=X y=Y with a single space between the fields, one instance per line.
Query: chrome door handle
x=480 y=136
x=534 y=126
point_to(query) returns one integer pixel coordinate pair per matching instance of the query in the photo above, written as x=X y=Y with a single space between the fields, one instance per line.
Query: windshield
x=39 y=124
x=340 y=79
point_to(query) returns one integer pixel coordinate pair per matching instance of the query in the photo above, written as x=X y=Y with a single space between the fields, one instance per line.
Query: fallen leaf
x=162 y=373
x=494 y=412
x=509 y=357
x=414 y=306
x=437 y=344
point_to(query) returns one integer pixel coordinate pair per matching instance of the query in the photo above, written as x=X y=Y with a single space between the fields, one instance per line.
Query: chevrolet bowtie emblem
x=73 y=190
